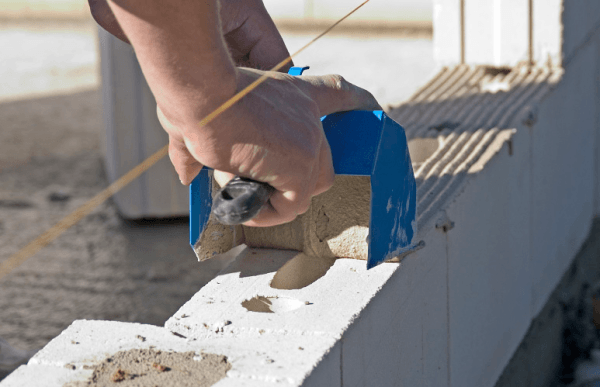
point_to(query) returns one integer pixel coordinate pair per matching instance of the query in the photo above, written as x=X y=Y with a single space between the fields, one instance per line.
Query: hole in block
x=301 y=271
x=263 y=304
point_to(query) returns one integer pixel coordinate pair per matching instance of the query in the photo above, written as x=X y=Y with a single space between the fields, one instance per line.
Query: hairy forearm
x=182 y=53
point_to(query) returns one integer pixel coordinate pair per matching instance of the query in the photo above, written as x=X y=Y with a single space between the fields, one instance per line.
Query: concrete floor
x=51 y=162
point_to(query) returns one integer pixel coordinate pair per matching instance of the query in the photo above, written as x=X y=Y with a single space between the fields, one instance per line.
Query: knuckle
x=307 y=151
x=313 y=113
x=286 y=214
x=338 y=82
x=299 y=204
x=328 y=180
x=316 y=111
x=310 y=155
x=324 y=184
x=303 y=207
x=285 y=77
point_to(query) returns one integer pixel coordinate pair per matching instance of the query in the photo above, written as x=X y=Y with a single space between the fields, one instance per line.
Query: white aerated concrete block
x=479 y=31
x=314 y=317
x=328 y=373
x=266 y=358
x=496 y=32
x=133 y=133
x=563 y=173
x=400 y=339
x=326 y=307
x=87 y=342
x=488 y=268
x=547 y=31
x=231 y=382
x=44 y=376
x=511 y=32
x=447 y=32
x=580 y=20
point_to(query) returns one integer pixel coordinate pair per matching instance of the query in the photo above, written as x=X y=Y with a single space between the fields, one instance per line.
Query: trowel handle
x=240 y=200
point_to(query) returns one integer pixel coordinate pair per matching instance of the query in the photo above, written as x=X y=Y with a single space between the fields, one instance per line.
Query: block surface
x=488 y=265
x=400 y=339
x=547 y=27
x=44 y=376
x=447 y=46
x=261 y=357
x=580 y=21
x=563 y=158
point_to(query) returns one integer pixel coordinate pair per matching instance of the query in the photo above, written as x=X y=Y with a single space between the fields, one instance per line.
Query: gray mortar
x=149 y=367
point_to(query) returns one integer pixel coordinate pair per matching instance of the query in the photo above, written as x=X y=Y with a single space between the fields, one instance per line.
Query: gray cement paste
x=149 y=367
x=336 y=225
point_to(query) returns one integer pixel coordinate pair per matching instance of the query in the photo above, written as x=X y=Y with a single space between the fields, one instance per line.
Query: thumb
x=332 y=93
x=186 y=166
x=222 y=178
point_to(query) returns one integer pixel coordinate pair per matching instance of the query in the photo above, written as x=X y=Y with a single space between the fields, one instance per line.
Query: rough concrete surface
x=102 y=268
x=336 y=225
x=256 y=358
x=149 y=367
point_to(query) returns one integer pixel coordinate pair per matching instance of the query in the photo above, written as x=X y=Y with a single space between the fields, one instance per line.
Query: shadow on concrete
x=59 y=125
x=293 y=269
x=250 y=262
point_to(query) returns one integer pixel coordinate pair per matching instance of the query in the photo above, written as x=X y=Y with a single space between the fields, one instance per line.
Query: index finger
x=333 y=93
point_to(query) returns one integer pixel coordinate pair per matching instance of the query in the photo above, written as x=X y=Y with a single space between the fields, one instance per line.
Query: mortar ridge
x=469 y=109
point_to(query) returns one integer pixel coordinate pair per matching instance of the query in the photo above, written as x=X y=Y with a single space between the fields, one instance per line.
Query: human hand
x=274 y=134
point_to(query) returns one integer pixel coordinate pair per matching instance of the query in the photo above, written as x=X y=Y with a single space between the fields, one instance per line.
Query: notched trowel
x=363 y=143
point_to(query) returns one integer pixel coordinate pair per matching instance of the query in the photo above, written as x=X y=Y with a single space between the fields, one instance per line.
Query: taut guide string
x=65 y=223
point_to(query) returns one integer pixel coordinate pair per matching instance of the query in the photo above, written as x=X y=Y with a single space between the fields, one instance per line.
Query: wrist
x=182 y=53
x=206 y=88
